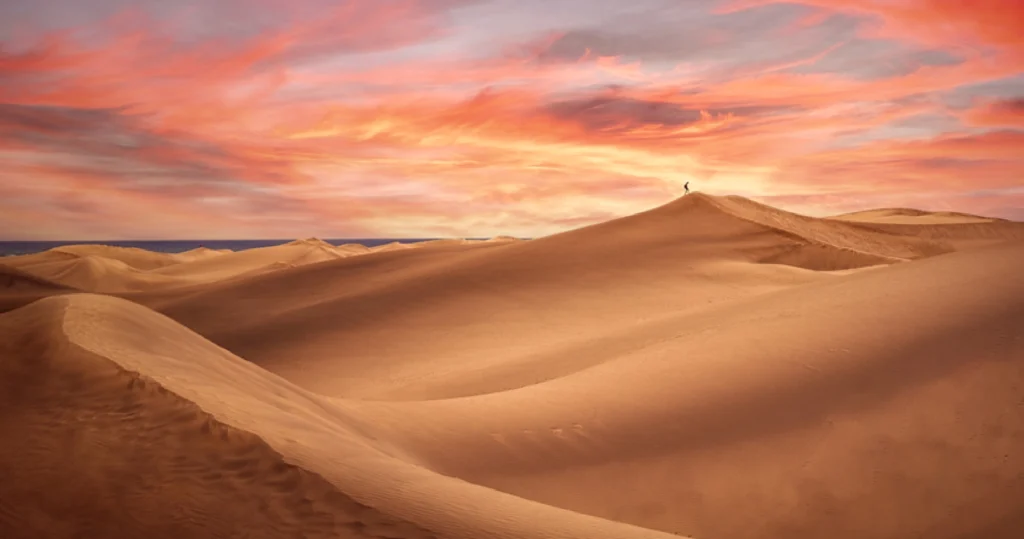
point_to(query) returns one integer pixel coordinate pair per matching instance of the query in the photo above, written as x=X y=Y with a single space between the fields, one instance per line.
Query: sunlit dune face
x=480 y=117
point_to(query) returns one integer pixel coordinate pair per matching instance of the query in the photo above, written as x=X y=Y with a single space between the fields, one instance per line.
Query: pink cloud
x=303 y=123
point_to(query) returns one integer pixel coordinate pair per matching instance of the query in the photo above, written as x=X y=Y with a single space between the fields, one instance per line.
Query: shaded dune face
x=105 y=452
x=19 y=288
x=166 y=435
x=712 y=368
x=126 y=271
x=818 y=407
x=13 y=280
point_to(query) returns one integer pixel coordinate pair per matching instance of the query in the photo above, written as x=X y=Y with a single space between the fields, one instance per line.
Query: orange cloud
x=948 y=164
x=942 y=23
x=996 y=113
x=336 y=125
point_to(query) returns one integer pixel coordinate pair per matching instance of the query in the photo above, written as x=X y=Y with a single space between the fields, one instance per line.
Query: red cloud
x=996 y=113
x=447 y=142
x=948 y=163
x=998 y=204
x=941 y=23
x=140 y=62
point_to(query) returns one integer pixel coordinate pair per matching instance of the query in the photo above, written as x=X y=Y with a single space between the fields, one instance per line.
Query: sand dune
x=52 y=255
x=955 y=230
x=226 y=266
x=18 y=288
x=393 y=246
x=200 y=253
x=200 y=269
x=115 y=270
x=167 y=435
x=100 y=274
x=105 y=269
x=909 y=216
x=14 y=280
x=712 y=368
x=876 y=405
x=139 y=259
x=519 y=303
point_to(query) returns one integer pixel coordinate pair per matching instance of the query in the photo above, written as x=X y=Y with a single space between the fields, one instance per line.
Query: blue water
x=179 y=246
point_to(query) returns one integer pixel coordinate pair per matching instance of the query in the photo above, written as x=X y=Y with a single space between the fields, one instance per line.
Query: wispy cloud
x=477 y=117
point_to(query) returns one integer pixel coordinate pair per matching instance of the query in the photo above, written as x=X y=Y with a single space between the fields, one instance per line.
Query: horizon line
x=424 y=238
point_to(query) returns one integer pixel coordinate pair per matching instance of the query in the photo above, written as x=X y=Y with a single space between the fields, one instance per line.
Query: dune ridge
x=139 y=259
x=913 y=216
x=117 y=270
x=96 y=273
x=824 y=234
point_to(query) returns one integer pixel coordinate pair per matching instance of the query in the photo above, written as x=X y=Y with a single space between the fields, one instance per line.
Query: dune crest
x=134 y=257
x=912 y=216
x=97 y=273
x=312 y=242
x=200 y=253
x=393 y=246
x=826 y=240
x=119 y=270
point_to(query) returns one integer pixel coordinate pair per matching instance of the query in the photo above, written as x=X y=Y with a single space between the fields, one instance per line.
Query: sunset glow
x=146 y=119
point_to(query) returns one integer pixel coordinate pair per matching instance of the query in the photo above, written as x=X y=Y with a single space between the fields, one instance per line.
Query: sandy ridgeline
x=713 y=368
x=104 y=269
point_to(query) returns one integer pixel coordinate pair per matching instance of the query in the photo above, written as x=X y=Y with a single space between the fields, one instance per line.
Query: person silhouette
x=686 y=188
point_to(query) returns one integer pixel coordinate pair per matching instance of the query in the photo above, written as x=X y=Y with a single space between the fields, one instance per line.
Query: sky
x=233 y=119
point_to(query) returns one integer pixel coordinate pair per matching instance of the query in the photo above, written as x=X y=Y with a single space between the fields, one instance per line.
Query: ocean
x=10 y=248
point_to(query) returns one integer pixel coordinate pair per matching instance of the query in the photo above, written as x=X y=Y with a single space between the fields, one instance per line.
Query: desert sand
x=713 y=368
x=909 y=216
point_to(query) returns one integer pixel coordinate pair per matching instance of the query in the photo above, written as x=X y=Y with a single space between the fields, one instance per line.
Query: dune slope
x=885 y=404
x=95 y=273
x=18 y=288
x=411 y=330
x=712 y=368
x=119 y=270
x=130 y=425
x=912 y=216
x=262 y=259
x=14 y=280
x=957 y=230
x=139 y=259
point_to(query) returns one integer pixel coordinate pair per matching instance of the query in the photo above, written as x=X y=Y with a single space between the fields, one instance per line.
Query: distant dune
x=711 y=368
x=13 y=280
x=97 y=273
x=908 y=216
x=113 y=270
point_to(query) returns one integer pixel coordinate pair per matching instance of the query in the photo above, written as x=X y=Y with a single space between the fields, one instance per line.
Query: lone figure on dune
x=686 y=188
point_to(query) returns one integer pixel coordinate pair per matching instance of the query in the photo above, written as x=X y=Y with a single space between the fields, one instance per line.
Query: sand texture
x=713 y=368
